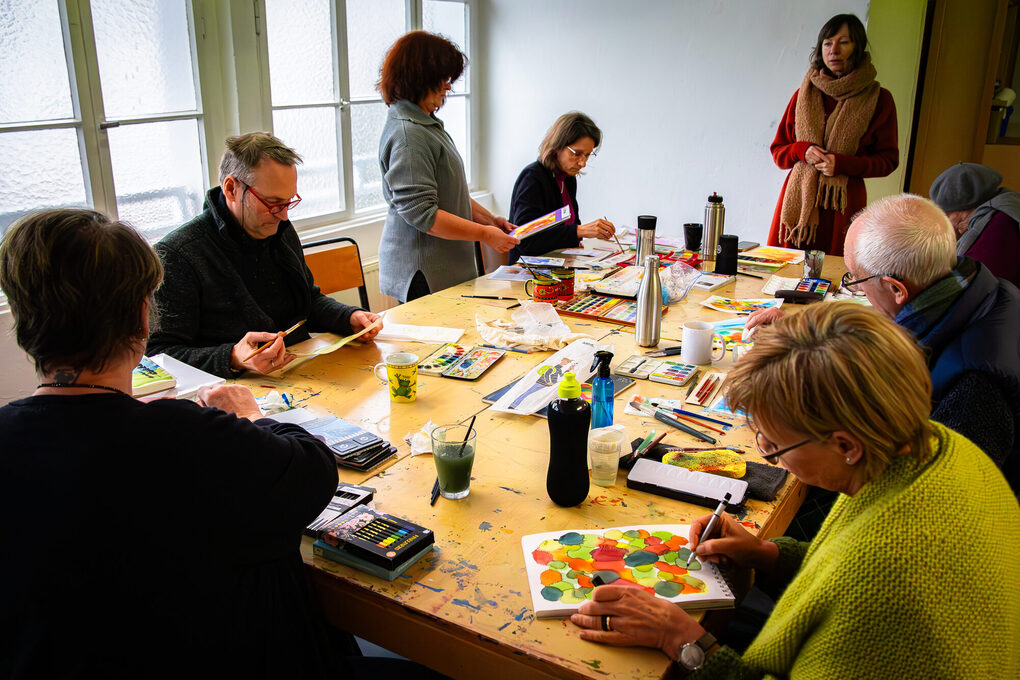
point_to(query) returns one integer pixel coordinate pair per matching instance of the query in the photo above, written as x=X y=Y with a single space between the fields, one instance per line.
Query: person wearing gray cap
x=985 y=215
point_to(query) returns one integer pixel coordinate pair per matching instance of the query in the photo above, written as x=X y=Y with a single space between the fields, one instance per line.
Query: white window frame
x=321 y=225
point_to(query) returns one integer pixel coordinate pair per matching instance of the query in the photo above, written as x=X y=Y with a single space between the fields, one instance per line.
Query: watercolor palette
x=674 y=373
x=474 y=363
x=601 y=307
x=443 y=358
x=820 y=286
x=638 y=366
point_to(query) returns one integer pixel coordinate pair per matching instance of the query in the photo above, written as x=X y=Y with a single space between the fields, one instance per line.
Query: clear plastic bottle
x=569 y=417
x=602 y=391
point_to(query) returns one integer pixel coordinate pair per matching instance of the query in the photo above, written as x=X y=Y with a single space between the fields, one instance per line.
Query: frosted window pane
x=454 y=117
x=367 y=122
x=33 y=70
x=157 y=169
x=448 y=19
x=372 y=27
x=313 y=134
x=42 y=170
x=301 y=51
x=144 y=50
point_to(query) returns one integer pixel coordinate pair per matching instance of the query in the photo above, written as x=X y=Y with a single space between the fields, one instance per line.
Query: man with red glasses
x=235 y=275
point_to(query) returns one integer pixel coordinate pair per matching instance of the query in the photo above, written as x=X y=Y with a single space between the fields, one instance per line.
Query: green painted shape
x=606 y=576
x=563 y=586
x=580 y=553
x=549 y=546
x=552 y=594
x=669 y=557
x=693 y=582
x=637 y=543
x=573 y=574
x=643 y=567
x=632 y=533
x=591 y=540
x=573 y=597
x=557 y=565
x=638 y=558
x=667 y=588
x=682 y=554
x=571 y=538
x=664 y=535
x=646 y=581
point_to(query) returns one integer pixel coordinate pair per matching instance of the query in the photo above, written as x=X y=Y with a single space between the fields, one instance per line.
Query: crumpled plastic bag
x=677 y=280
x=421 y=441
x=535 y=325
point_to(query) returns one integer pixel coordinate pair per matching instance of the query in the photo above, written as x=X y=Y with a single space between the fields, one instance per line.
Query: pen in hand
x=712 y=521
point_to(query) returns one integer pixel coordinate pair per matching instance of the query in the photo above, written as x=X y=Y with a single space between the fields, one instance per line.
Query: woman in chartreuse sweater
x=916 y=571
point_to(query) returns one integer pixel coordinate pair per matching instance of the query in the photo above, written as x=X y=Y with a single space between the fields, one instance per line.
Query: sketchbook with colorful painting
x=561 y=564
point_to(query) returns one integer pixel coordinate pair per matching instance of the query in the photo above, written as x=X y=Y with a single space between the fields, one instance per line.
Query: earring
x=847 y=460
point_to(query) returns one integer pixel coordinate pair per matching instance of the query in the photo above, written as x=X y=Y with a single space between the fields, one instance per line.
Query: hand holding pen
x=729 y=542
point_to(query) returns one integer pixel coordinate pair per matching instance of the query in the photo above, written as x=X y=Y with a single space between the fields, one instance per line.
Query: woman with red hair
x=427 y=244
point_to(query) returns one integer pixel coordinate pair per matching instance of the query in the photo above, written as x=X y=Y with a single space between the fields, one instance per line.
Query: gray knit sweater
x=422 y=173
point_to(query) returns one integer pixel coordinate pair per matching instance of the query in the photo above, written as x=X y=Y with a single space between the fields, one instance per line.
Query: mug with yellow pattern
x=401 y=375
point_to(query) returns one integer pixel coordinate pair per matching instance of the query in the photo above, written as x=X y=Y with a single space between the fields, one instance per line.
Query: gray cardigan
x=422 y=173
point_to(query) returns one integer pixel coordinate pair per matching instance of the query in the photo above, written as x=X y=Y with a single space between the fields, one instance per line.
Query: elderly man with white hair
x=901 y=253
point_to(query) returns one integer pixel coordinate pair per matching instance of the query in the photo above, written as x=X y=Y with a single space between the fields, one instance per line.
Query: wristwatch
x=692 y=655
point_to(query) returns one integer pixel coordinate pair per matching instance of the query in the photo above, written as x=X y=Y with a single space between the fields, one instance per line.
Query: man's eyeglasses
x=586 y=156
x=274 y=208
x=767 y=449
x=854 y=286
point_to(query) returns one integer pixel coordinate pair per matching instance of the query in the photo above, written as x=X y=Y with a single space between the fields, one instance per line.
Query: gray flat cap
x=964 y=186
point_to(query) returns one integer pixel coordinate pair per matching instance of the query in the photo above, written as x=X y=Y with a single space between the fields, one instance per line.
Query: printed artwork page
x=560 y=566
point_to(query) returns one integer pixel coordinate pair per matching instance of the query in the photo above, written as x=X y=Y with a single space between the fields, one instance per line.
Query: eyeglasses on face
x=854 y=286
x=274 y=208
x=586 y=156
x=767 y=449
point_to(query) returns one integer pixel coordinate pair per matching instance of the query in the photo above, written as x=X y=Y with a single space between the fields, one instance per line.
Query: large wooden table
x=465 y=610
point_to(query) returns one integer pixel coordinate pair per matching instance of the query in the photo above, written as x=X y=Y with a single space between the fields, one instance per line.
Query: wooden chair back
x=336 y=265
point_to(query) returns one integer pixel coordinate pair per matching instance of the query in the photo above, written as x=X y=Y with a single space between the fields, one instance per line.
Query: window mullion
x=93 y=141
x=414 y=15
x=343 y=89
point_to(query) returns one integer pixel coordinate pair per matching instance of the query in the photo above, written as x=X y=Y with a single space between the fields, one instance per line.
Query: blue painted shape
x=484 y=526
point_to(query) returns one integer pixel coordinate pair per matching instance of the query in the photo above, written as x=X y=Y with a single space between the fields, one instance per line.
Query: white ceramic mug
x=697 y=343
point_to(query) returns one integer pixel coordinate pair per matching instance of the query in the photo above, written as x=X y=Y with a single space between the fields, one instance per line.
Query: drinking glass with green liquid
x=453 y=450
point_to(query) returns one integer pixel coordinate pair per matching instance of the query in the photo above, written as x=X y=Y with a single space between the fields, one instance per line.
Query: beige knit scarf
x=807 y=190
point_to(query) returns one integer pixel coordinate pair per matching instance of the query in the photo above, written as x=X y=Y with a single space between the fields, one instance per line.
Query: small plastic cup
x=604 y=446
x=454 y=457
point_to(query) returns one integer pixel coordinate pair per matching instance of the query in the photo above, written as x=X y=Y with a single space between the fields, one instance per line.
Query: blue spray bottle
x=602 y=391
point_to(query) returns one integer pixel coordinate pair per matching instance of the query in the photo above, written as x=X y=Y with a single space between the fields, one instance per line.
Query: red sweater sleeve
x=879 y=152
x=786 y=150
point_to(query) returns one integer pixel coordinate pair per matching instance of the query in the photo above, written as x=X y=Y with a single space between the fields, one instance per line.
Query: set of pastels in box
x=460 y=362
x=601 y=307
x=666 y=371
x=820 y=286
x=376 y=537
x=706 y=389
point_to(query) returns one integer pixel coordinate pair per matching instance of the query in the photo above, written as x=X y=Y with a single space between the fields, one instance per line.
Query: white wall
x=688 y=95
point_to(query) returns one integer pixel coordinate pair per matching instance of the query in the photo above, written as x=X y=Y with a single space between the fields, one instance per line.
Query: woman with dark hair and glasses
x=433 y=225
x=550 y=183
x=838 y=128
x=913 y=573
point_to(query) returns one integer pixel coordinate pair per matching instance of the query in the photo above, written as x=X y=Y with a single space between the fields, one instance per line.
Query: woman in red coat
x=838 y=128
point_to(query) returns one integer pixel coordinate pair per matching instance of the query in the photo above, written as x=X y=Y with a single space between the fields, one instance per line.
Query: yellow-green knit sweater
x=917 y=576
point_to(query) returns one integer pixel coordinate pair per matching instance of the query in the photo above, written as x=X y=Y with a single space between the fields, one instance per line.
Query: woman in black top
x=142 y=539
x=551 y=183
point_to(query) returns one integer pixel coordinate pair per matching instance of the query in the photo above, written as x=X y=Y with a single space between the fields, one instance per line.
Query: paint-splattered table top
x=466 y=608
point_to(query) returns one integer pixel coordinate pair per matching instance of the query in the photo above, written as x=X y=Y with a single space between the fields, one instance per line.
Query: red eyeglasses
x=274 y=208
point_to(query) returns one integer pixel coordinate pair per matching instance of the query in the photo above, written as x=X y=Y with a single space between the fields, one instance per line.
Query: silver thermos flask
x=715 y=216
x=649 y=305
x=645 y=237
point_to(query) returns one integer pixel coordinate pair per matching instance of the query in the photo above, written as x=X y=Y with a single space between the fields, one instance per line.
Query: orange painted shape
x=550 y=576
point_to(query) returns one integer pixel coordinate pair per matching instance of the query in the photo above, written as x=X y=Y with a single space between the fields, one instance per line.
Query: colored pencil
x=642 y=451
x=281 y=334
x=697 y=422
x=692 y=414
x=435 y=491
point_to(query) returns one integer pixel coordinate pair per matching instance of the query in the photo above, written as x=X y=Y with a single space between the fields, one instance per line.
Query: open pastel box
x=706 y=389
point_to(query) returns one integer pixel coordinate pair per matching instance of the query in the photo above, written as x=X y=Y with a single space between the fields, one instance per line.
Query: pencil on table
x=281 y=334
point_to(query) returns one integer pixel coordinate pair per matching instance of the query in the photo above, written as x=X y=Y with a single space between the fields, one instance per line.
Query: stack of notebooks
x=374 y=542
x=352 y=446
